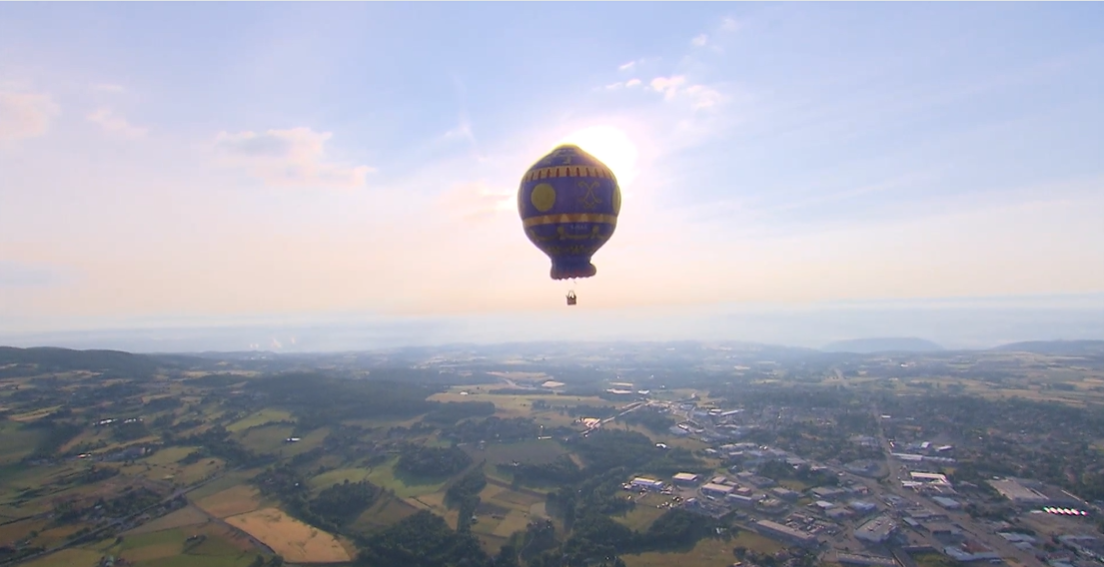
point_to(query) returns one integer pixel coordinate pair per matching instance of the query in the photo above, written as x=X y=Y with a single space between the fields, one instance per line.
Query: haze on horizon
x=290 y=164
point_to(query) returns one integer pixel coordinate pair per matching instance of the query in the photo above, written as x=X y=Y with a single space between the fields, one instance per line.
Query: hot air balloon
x=568 y=203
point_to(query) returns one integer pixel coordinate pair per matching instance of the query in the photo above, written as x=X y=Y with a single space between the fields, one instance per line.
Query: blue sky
x=224 y=162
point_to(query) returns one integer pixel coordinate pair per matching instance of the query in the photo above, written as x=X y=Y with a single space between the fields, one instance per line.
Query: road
x=971 y=527
x=90 y=536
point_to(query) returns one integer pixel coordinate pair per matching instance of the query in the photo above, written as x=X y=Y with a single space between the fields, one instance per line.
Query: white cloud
x=628 y=66
x=629 y=84
x=25 y=115
x=463 y=131
x=676 y=87
x=294 y=157
x=730 y=24
x=108 y=88
x=117 y=125
x=700 y=40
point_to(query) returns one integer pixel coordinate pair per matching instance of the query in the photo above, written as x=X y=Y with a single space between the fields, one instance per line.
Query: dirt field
x=296 y=541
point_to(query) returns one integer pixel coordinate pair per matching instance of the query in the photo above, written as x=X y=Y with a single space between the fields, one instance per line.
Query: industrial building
x=649 y=483
x=1017 y=493
x=713 y=489
x=877 y=530
x=769 y=528
x=932 y=478
x=685 y=478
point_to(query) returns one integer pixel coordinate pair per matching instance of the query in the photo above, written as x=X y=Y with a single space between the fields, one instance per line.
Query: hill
x=883 y=344
x=17 y=361
x=1067 y=348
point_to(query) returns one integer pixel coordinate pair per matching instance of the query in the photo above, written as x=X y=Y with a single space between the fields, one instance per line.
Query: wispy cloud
x=677 y=88
x=629 y=84
x=700 y=40
x=729 y=24
x=294 y=157
x=116 y=125
x=25 y=115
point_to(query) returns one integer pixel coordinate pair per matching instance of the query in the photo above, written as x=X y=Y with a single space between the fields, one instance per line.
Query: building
x=863 y=507
x=1018 y=493
x=774 y=529
x=741 y=500
x=947 y=503
x=970 y=551
x=685 y=478
x=648 y=483
x=876 y=530
x=932 y=478
x=713 y=489
x=785 y=493
x=864 y=560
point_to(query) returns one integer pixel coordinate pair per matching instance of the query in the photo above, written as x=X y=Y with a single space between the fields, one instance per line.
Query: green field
x=266 y=438
x=19 y=441
x=267 y=415
x=384 y=475
x=707 y=553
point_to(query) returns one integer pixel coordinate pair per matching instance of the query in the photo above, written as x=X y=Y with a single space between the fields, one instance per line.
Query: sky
x=199 y=164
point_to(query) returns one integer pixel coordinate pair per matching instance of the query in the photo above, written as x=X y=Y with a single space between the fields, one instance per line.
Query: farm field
x=295 y=541
x=714 y=552
x=231 y=502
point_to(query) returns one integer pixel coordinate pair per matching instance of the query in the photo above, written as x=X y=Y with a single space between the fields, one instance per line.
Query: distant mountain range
x=63 y=359
x=883 y=344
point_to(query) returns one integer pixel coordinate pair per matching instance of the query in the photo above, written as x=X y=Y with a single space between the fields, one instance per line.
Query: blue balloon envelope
x=568 y=203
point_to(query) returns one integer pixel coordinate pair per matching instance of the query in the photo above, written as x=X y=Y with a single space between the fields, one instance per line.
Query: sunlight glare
x=610 y=145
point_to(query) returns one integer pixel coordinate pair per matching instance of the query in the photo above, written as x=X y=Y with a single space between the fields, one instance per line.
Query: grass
x=18 y=441
x=535 y=451
x=707 y=553
x=267 y=415
x=68 y=558
x=168 y=456
x=404 y=486
x=187 y=516
x=385 y=512
x=265 y=439
x=646 y=512
x=235 y=500
x=337 y=476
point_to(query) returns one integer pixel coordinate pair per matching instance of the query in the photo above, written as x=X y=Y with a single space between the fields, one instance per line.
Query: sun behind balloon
x=610 y=145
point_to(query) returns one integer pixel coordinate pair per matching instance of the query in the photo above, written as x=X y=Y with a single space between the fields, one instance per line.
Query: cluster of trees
x=16 y=362
x=464 y=494
x=653 y=419
x=596 y=535
x=432 y=462
x=55 y=433
x=1047 y=441
x=422 y=540
x=562 y=470
x=779 y=470
x=340 y=504
x=330 y=400
x=334 y=507
x=494 y=429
